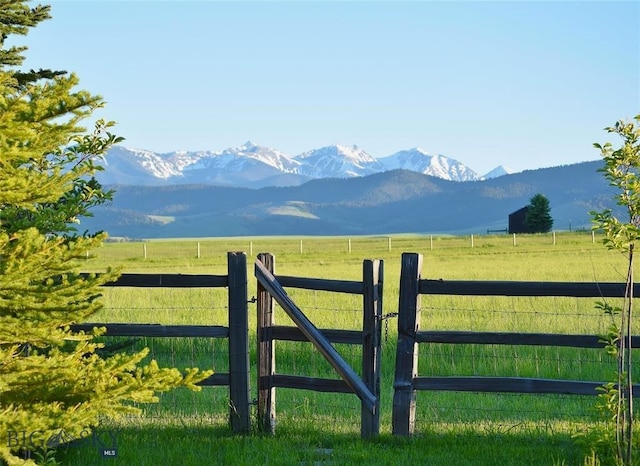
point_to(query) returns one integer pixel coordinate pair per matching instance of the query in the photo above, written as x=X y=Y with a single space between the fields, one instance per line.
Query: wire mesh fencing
x=157 y=308
x=500 y=410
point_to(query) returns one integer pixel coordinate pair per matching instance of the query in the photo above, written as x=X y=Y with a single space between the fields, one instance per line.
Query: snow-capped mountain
x=236 y=159
x=338 y=161
x=251 y=165
x=246 y=164
x=143 y=167
x=421 y=161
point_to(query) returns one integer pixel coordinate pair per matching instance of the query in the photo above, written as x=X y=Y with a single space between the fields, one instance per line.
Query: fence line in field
x=307 y=245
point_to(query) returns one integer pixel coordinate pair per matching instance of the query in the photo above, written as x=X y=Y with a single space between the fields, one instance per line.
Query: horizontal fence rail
x=164 y=280
x=285 y=333
x=237 y=331
x=407 y=380
x=506 y=385
x=321 y=284
x=506 y=338
x=157 y=330
x=524 y=289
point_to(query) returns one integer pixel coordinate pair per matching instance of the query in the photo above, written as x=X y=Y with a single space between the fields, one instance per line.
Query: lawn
x=318 y=428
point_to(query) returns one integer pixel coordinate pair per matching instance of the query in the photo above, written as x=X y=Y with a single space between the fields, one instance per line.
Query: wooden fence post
x=372 y=278
x=404 y=397
x=266 y=353
x=239 y=390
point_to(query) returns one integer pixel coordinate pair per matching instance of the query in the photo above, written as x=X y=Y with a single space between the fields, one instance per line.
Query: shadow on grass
x=202 y=444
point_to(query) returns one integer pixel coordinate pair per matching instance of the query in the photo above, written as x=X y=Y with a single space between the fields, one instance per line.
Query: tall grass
x=453 y=428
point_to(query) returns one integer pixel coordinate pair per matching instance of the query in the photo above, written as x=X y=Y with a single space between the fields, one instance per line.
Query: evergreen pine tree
x=51 y=379
x=538 y=219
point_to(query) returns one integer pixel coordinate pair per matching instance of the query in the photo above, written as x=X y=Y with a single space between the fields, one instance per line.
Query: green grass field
x=315 y=428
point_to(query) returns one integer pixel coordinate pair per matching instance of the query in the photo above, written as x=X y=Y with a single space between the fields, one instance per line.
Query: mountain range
x=253 y=166
x=382 y=202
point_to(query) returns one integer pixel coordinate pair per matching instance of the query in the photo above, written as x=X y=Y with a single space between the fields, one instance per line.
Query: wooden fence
x=237 y=331
x=407 y=381
x=367 y=387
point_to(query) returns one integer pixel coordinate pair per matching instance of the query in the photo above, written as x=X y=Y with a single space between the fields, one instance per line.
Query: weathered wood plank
x=164 y=280
x=216 y=380
x=311 y=383
x=371 y=343
x=320 y=284
x=404 y=396
x=505 y=338
x=287 y=333
x=514 y=288
x=266 y=353
x=509 y=385
x=239 y=388
x=156 y=330
x=345 y=371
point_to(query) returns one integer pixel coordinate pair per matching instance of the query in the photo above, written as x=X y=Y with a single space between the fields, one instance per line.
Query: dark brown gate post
x=266 y=353
x=372 y=278
x=239 y=391
x=404 y=398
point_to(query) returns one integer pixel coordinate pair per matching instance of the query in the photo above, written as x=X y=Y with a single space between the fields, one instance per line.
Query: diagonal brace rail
x=317 y=338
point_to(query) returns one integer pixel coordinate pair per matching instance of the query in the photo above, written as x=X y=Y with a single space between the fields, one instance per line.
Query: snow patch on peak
x=338 y=161
x=419 y=150
x=420 y=161
x=248 y=146
x=500 y=170
x=236 y=159
x=352 y=153
x=157 y=165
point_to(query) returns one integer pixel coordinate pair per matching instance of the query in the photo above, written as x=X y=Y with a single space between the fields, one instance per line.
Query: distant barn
x=517 y=221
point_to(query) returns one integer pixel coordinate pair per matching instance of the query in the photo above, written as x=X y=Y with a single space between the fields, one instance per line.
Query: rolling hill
x=396 y=201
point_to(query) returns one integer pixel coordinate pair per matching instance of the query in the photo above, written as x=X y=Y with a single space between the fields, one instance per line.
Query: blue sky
x=521 y=84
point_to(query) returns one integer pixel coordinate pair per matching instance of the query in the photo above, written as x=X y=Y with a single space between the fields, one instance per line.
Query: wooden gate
x=367 y=387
